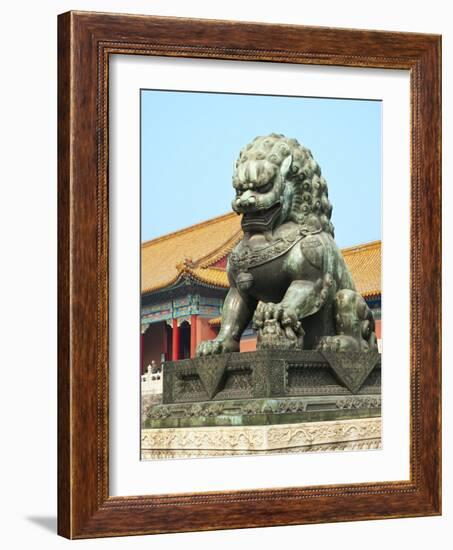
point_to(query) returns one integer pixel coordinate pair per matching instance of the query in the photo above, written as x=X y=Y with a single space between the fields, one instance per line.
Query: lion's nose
x=246 y=200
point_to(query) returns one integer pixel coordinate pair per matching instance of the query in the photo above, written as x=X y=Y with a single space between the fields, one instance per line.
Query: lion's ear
x=285 y=166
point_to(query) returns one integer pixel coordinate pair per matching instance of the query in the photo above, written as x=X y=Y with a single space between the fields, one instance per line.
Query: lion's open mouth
x=260 y=220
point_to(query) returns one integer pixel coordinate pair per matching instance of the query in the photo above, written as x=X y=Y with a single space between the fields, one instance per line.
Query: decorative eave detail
x=371 y=294
x=198 y=276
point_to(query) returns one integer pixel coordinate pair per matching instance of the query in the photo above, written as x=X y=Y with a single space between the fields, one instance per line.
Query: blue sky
x=190 y=140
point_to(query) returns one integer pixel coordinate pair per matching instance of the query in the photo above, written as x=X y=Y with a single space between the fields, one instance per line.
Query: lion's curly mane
x=308 y=194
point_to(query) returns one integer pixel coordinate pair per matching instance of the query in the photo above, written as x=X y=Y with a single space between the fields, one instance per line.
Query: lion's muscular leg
x=354 y=324
x=236 y=315
x=279 y=325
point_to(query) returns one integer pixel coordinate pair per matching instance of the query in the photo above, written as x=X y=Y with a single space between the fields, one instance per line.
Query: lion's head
x=277 y=180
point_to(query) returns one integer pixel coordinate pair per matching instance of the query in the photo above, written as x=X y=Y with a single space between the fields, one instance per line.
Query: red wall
x=204 y=330
x=248 y=344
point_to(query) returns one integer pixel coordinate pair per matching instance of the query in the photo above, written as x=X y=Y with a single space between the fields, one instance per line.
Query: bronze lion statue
x=287 y=273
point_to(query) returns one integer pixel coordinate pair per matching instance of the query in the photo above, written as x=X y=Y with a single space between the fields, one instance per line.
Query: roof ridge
x=358 y=247
x=188 y=229
x=220 y=252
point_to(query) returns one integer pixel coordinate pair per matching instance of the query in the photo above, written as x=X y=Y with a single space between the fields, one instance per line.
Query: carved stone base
x=342 y=435
x=271 y=374
x=260 y=412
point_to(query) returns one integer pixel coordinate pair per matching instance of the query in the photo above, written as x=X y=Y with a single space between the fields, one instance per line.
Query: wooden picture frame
x=85 y=42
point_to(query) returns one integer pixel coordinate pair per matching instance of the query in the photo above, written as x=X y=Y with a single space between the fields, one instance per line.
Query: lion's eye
x=265 y=188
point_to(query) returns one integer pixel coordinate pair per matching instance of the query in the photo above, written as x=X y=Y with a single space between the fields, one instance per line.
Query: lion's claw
x=342 y=342
x=213 y=347
x=278 y=326
x=267 y=311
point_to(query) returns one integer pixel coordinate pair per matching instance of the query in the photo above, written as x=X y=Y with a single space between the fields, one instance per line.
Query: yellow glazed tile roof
x=194 y=250
x=364 y=262
x=164 y=258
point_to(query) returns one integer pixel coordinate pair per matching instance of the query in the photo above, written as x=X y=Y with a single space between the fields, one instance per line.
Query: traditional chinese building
x=184 y=283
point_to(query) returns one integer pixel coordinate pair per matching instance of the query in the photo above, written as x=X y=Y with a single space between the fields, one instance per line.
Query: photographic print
x=260 y=274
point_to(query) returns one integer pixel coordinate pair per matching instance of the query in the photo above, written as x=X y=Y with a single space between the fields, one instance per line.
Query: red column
x=193 y=334
x=175 y=341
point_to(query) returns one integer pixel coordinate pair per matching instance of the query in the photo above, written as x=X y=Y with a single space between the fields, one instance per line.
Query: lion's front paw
x=212 y=347
x=329 y=343
x=342 y=342
x=278 y=327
